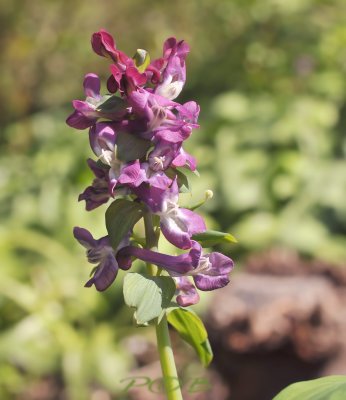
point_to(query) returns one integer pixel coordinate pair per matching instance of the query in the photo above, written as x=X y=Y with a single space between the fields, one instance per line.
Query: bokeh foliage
x=269 y=75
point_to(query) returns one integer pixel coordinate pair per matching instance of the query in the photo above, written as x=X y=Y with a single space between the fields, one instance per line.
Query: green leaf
x=121 y=217
x=211 y=238
x=111 y=104
x=182 y=179
x=192 y=330
x=141 y=59
x=150 y=295
x=131 y=147
x=327 y=388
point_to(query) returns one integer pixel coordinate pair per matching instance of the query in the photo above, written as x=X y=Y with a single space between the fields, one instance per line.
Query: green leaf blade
x=211 y=238
x=149 y=295
x=326 y=388
x=112 y=104
x=121 y=216
x=191 y=329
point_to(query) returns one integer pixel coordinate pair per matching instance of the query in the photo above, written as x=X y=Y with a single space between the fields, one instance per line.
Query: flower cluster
x=137 y=132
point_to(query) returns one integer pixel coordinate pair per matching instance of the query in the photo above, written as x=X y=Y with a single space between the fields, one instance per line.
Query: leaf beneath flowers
x=149 y=295
x=327 y=388
x=111 y=104
x=212 y=238
x=131 y=147
x=182 y=179
x=121 y=216
x=191 y=329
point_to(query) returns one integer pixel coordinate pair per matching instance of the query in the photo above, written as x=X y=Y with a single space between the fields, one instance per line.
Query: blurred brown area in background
x=281 y=321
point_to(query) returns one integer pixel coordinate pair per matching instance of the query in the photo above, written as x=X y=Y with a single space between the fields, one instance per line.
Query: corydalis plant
x=136 y=132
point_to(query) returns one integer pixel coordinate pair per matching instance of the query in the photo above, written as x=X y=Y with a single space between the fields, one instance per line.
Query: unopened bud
x=209 y=194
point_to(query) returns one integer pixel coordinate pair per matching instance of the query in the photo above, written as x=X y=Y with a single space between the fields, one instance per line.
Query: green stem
x=169 y=370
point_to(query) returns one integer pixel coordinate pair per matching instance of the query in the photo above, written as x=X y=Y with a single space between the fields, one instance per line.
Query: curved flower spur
x=137 y=132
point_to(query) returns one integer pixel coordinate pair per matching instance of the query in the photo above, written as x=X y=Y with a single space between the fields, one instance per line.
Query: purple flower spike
x=187 y=293
x=101 y=253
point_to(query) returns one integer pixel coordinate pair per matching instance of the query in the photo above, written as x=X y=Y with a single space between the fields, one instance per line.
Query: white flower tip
x=209 y=194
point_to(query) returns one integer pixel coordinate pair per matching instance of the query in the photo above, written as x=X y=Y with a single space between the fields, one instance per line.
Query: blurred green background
x=270 y=78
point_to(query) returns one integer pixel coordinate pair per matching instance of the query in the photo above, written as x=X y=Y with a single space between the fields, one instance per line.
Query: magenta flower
x=152 y=110
x=103 y=138
x=89 y=111
x=101 y=253
x=173 y=70
x=125 y=76
x=103 y=44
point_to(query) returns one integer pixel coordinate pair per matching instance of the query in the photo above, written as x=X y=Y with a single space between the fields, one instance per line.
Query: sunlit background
x=270 y=78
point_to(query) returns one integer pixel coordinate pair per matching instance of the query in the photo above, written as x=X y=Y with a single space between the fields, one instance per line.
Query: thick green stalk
x=169 y=370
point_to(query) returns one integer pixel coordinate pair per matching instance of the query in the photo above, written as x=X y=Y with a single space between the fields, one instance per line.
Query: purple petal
x=162 y=155
x=187 y=293
x=92 y=85
x=79 y=121
x=171 y=136
x=189 y=111
x=178 y=227
x=194 y=222
x=85 y=108
x=105 y=274
x=216 y=276
x=132 y=174
x=84 y=237
x=185 y=159
x=103 y=44
x=174 y=74
x=98 y=171
x=102 y=136
x=176 y=233
x=176 y=265
x=154 y=192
